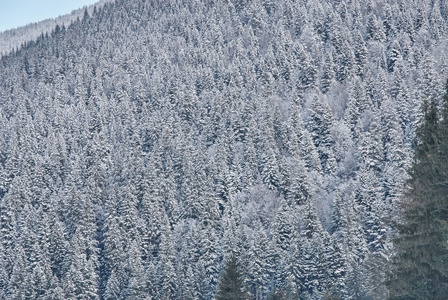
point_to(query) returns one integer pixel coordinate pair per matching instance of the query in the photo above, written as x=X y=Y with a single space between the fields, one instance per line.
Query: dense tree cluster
x=148 y=141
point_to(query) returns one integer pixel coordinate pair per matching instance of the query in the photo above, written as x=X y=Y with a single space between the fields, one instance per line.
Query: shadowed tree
x=231 y=285
x=420 y=269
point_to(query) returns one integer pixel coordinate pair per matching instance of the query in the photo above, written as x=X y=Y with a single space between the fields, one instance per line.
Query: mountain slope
x=144 y=144
x=12 y=39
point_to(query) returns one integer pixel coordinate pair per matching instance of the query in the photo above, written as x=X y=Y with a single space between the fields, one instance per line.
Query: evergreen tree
x=209 y=257
x=319 y=125
x=258 y=264
x=167 y=281
x=231 y=285
x=360 y=52
x=327 y=78
x=421 y=263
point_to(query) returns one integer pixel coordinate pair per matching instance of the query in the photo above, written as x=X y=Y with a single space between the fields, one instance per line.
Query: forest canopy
x=147 y=141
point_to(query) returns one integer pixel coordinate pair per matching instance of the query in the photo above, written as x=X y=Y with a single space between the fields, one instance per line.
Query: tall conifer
x=231 y=284
x=421 y=264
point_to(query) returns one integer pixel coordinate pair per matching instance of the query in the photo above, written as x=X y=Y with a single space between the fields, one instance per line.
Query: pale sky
x=16 y=13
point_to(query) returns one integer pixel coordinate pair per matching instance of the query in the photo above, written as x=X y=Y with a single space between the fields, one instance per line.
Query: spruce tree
x=421 y=264
x=231 y=285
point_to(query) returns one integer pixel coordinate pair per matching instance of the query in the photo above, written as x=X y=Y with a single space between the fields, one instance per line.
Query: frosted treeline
x=13 y=39
x=148 y=141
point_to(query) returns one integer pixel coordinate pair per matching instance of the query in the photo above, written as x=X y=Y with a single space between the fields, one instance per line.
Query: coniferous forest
x=198 y=149
x=13 y=39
